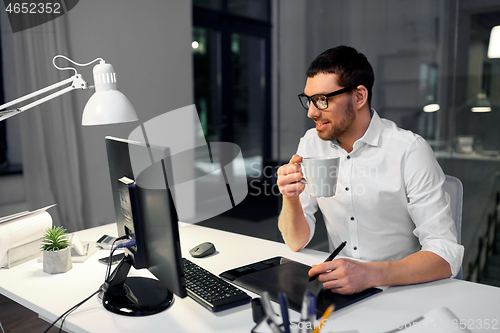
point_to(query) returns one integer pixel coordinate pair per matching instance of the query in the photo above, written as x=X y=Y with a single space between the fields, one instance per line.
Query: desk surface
x=52 y=295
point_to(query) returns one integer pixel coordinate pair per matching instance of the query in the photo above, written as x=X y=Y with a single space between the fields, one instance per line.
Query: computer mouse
x=202 y=250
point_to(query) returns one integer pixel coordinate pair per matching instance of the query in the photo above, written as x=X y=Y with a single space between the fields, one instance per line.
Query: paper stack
x=20 y=236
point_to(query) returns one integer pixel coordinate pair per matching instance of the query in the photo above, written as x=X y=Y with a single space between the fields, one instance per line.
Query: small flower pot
x=57 y=261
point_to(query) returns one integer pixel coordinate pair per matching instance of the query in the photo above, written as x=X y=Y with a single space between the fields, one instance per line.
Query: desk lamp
x=106 y=106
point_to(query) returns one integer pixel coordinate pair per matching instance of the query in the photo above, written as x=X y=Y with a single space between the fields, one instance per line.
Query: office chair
x=453 y=186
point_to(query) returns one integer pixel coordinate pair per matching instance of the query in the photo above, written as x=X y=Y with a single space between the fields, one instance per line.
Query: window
x=231 y=61
x=7 y=166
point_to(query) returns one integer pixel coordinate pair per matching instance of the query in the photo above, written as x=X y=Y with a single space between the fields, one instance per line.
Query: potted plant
x=56 y=251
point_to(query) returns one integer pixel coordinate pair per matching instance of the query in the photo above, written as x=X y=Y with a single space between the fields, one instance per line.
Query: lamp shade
x=482 y=104
x=107 y=105
x=431 y=107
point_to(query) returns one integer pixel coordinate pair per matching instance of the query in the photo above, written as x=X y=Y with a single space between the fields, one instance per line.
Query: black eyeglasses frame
x=335 y=93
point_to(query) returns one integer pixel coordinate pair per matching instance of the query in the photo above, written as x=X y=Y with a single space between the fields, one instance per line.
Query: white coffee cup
x=321 y=175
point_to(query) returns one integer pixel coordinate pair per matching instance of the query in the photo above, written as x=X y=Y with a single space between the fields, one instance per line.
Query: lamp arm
x=77 y=82
x=36 y=93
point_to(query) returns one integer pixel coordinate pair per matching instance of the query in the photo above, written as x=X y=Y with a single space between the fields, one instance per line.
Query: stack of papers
x=20 y=230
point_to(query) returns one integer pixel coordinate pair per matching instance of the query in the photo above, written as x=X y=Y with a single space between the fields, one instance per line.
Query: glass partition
x=434 y=77
x=436 y=74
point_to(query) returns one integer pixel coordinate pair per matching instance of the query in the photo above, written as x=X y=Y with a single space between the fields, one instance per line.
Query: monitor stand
x=134 y=296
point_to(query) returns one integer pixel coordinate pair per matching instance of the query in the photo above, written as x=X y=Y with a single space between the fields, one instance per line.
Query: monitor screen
x=144 y=211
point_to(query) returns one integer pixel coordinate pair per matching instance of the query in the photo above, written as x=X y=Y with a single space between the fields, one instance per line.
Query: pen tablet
x=287 y=276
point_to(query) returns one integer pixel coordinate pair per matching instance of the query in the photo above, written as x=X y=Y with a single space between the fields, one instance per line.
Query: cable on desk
x=67 y=313
x=113 y=248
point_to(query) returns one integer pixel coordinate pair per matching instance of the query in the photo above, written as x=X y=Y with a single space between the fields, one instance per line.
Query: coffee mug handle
x=303 y=181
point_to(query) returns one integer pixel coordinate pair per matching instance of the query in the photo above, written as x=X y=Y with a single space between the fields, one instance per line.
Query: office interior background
x=242 y=63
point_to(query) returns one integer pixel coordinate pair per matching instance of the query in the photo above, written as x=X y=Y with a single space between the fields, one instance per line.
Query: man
x=389 y=206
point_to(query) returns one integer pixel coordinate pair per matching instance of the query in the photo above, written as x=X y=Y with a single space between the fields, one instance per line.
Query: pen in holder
x=260 y=327
x=283 y=324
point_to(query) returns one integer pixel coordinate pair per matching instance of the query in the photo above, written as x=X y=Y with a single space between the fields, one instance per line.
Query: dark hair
x=351 y=67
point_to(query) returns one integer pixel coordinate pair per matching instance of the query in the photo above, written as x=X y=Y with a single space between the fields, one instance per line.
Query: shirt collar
x=374 y=130
x=372 y=134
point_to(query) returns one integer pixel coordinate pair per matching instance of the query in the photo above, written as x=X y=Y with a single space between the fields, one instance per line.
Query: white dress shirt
x=389 y=201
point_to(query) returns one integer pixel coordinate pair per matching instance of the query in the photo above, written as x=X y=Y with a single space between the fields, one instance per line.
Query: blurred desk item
x=465 y=144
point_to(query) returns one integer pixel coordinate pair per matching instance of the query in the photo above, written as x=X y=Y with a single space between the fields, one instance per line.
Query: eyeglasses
x=320 y=101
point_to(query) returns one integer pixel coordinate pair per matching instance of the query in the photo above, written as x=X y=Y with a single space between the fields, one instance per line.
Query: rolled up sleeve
x=309 y=204
x=429 y=205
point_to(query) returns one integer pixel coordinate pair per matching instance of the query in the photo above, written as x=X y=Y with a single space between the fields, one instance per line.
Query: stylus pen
x=284 y=312
x=330 y=258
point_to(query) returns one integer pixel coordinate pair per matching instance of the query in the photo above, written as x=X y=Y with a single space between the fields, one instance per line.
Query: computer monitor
x=145 y=211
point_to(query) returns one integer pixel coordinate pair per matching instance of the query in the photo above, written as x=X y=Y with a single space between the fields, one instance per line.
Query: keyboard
x=211 y=291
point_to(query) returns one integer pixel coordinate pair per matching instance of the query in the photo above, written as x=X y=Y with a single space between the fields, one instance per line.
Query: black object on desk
x=209 y=290
x=258 y=313
x=287 y=276
x=114 y=260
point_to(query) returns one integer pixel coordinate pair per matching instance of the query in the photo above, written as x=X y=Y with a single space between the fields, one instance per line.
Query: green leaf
x=55 y=239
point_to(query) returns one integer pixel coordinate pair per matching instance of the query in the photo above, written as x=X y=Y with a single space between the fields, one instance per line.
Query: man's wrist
x=292 y=200
x=377 y=273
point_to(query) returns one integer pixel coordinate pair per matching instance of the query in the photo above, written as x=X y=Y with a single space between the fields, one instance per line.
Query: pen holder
x=258 y=313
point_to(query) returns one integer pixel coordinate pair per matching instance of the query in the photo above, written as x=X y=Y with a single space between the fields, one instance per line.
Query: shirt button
x=347 y=188
x=348 y=157
x=355 y=248
x=352 y=218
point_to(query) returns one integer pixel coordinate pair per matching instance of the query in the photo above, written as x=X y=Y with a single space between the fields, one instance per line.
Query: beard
x=343 y=125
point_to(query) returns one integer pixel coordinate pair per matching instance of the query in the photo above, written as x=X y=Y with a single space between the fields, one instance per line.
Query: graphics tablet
x=280 y=274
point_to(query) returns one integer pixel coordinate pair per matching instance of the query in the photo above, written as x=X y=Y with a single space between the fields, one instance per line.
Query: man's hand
x=289 y=176
x=343 y=276
x=347 y=276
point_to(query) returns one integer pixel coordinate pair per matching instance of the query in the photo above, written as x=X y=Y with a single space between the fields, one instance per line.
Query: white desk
x=52 y=295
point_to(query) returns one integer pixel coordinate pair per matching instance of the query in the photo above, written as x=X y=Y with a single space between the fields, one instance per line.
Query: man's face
x=336 y=120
